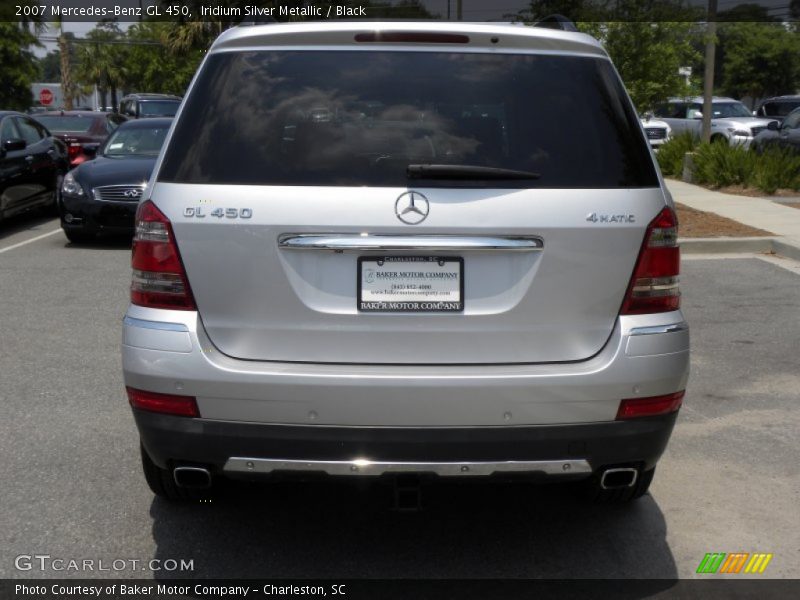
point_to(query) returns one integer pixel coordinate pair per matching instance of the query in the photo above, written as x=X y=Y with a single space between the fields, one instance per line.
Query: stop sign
x=45 y=97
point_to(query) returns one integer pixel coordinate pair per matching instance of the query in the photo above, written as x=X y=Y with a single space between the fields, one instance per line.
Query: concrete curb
x=728 y=245
x=783 y=248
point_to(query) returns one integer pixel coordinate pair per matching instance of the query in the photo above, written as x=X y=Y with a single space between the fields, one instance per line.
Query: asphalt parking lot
x=72 y=486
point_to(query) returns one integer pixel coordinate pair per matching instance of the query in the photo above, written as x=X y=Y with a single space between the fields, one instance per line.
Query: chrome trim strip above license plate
x=414 y=243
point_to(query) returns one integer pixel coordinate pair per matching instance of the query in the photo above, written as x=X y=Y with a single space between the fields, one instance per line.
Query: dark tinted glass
x=793 y=120
x=30 y=133
x=60 y=124
x=360 y=118
x=136 y=141
x=779 y=109
x=158 y=108
x=8 y=130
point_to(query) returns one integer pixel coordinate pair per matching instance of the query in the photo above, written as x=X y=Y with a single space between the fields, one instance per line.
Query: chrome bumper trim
x=372 y=468
x=159 y=325
x=671 y=328
x=414 y=243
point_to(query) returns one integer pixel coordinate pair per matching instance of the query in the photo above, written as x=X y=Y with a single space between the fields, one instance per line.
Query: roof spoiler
x=557 y=22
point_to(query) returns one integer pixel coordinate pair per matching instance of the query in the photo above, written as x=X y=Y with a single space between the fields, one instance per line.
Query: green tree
x=50 y=67
x=648 y=56
x=759 y=59
x=19 y=65
x=745 y=12
x=153 y=66
x=648 y=40
x=102 y=61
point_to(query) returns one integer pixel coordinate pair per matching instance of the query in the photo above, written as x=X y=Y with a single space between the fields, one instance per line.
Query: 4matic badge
x=595 y=218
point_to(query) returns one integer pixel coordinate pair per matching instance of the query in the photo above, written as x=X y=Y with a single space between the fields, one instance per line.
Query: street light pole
x=708 y=79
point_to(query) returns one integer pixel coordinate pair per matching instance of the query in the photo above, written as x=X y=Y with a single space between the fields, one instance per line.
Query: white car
x=657 y=132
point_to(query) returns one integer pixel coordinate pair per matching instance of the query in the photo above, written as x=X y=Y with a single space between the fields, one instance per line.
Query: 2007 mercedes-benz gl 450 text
x=381 y=248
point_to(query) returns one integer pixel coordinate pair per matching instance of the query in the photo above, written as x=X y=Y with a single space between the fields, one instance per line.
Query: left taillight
x=169 y=404
x=159 y=279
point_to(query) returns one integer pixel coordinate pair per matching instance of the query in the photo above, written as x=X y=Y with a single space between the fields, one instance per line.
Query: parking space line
x=30 y=241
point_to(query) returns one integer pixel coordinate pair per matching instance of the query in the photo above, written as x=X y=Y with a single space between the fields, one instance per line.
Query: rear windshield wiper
x=428 y=171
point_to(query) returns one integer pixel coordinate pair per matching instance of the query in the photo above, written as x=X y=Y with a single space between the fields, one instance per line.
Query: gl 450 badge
x=228 y=213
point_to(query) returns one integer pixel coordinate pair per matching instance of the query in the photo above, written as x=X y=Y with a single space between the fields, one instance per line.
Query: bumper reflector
x=632 y=408
x=170 y=404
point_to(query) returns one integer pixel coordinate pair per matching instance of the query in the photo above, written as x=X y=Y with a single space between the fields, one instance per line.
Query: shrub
x=718 y=165
x=670 y=154
x=776 y=168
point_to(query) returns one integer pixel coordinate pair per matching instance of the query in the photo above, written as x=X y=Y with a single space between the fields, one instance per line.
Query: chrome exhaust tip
x=196 y=478
x=614 y=479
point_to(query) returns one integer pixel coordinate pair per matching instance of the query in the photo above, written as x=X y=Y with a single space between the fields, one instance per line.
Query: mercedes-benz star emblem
x=411 y=208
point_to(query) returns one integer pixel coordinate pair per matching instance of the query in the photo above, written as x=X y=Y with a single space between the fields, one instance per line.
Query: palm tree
x=102 y=62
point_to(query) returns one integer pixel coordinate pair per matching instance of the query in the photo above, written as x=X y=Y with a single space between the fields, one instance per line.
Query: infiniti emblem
x=132 y=193
x=411 y=208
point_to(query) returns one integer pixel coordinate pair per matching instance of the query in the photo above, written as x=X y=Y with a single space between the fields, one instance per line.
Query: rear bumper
x=360 y=415
x=168 y=352
x=249 y=450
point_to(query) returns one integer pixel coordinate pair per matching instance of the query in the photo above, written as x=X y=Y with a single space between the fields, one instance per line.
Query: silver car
x=731 y=121
x=469 y=268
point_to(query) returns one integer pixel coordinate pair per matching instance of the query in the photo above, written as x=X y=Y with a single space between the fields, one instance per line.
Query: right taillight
x=654 y=286
x=159 y=279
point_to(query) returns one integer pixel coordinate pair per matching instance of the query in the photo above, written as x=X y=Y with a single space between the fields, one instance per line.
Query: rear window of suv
x=158 y=108
x=357 y=118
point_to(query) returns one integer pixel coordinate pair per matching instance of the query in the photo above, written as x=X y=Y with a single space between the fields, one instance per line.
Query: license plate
x=410 y=284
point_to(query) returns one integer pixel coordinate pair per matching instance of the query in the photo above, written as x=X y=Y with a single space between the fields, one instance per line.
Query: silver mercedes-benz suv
x=372 y=249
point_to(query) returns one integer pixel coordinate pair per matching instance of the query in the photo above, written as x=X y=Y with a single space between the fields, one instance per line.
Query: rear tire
x=622 y=495
x=162 y=484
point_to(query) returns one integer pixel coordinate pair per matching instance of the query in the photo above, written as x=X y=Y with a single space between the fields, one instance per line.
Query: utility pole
x=708 y=79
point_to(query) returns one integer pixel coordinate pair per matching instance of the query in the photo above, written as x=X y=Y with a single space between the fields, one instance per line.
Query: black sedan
x=101 y=195
x=786 y=135
x=32 y=163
